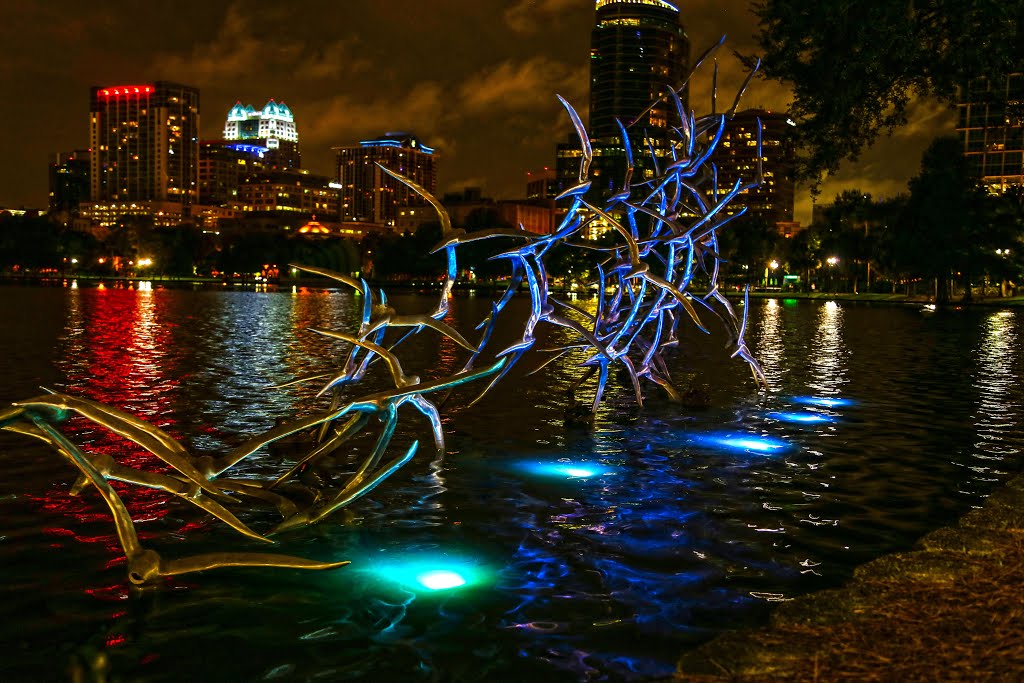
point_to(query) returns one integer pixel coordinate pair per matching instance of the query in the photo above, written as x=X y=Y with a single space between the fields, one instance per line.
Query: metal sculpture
x=664 y=245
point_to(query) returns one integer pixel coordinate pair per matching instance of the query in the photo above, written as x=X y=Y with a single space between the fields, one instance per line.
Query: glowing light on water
x=742 y=442
x=440 y=579
x=822 y=402
x=438 y=573
x=580 y=470
x=802 y=418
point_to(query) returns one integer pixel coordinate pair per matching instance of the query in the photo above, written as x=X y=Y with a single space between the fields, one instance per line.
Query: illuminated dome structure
x=314 y=227
x=272 y=127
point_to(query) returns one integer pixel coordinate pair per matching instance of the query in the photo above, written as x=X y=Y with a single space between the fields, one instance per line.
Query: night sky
x=475 y=79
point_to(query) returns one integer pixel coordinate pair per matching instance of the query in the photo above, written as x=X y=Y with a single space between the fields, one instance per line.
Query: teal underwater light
x=566 y=470
x=426 y=574
x=440 y=579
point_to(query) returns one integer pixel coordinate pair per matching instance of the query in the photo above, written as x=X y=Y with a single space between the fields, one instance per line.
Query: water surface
x=661 y=528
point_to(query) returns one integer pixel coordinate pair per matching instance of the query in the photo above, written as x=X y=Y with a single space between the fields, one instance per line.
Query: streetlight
x=832 y=261
x=773 y=265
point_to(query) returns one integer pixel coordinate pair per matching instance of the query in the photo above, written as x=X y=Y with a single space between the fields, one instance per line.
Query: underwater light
x=440 y=579
x=579 y=472
x=583 y=470
x=437 y=573
x=742 y=442
x=802 y=418
x=822 y=402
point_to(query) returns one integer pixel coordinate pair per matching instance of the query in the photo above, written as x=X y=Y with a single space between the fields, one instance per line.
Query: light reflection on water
x=594 y=577
x=828 y=355
x=995 y=417
x=770 y=349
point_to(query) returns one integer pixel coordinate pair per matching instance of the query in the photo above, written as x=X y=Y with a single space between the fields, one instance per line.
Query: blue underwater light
x=741 y=442
x=822 y=402
x=802 y=418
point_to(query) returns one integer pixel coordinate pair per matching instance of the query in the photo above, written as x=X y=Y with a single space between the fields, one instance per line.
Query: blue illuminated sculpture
x=658 y=272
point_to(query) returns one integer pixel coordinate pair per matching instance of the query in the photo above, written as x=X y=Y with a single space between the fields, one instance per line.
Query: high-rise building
x=223 y=166
x=145 y=149
x=991 y=128
x=736 y=160
x=272 y=127
x=69 y=181
x=638 y=50
x=288 y=193
x=541 y=184
x=368 y=193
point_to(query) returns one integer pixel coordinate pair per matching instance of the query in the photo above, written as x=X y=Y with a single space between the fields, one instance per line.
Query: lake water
x=678 y=524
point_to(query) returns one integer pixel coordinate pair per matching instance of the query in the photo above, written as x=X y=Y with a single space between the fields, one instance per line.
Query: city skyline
x=477 y=82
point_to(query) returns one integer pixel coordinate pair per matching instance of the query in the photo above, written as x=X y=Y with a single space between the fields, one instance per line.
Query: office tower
x=541 y=184
x=286 y=192
x=638 y=50
x=736 y=160
x=145 y=149
x=223 y=166
x=991 y=128
x=69 y=181
x=371 y=195
x=272 y=127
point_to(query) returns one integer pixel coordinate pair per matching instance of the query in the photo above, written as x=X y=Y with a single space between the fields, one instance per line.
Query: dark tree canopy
x=855 y=65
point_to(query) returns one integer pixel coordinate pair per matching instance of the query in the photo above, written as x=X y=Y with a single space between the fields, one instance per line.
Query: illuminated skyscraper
x=736 y=160
x=638 y=49
x=272 y=127
x=991 y=127
x=368 y=193
x=144 y=141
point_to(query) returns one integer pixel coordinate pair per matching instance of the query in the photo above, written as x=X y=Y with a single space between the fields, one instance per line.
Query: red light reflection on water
x=114 y=352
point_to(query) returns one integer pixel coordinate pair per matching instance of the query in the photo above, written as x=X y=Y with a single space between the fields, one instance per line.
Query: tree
x=747 y=245
x=848 y=224
x=855 y=66
x=945 y=230
x=803 y=252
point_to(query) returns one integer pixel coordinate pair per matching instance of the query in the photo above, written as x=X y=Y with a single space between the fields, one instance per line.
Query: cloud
x=518 y=85
x=527 y=16
x=341 y=119
x=462 y=184
x=236 y=53
x=929 y=118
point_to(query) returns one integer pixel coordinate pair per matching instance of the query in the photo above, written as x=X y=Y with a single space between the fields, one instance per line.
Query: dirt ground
x=951 y=610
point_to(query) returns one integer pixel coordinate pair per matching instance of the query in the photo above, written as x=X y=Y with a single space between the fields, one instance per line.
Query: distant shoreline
x=463 y=287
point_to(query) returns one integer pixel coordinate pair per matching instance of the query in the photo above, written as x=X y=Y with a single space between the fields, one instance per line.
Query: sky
x=477 y=80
